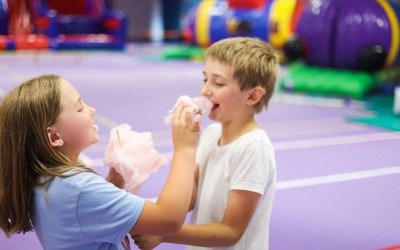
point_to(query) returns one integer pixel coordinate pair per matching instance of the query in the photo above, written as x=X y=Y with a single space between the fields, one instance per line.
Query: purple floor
x=338 y=182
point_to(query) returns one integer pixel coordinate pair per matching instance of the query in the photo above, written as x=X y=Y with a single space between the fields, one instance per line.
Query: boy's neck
x=233 y=130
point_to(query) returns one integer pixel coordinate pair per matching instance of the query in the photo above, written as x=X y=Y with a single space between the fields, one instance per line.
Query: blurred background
x=334 y=117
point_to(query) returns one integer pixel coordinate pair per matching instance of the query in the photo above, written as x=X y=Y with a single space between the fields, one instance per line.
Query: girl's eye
x=205 y=80
x=80 y=109
x=219 y=84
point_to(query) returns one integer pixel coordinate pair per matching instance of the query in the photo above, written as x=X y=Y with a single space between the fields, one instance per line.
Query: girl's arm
x=239 y=211
x=168 y=214
x=115 y=178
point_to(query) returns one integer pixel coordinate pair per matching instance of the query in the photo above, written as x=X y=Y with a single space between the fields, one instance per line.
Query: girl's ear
x=255 y=96
x=54 y=138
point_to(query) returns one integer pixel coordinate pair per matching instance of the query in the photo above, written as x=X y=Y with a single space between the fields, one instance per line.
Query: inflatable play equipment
x=283 y=20
x=349 y=48
x=212 y=20
x=60 y=24
x=80 y=24
x=270 y=20
x=328 y=81
x=209 y=21
x=16 y=28
x=345 y=48
x=355 y=35
x=304 y=78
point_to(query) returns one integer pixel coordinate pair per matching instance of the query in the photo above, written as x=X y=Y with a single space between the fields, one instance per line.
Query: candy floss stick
x=198 y=103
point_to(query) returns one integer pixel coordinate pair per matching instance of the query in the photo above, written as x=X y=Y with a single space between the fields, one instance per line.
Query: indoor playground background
x=334 y=118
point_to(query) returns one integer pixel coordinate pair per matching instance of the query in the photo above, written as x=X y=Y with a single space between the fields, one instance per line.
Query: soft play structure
x=212 y=20
x=271 y=20
x=339 y=46
x=209 y=21
x=348 y=47
x=79 y=24
x=356 y=35
x=60 y=24
x=16 y=27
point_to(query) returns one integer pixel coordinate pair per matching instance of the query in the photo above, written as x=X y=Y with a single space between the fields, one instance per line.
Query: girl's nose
x=92 y=111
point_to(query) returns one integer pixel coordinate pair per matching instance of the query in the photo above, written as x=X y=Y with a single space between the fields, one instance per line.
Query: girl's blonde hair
x=25 y=151
x=255 y=64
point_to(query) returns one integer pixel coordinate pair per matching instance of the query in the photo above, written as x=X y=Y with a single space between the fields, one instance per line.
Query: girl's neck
x=233 y=130
x=73 y=157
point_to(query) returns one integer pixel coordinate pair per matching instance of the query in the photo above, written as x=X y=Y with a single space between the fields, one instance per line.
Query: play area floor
x=338 y=179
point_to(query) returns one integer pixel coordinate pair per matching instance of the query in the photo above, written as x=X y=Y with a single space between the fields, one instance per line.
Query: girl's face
x=223 y=91
x=74 y=125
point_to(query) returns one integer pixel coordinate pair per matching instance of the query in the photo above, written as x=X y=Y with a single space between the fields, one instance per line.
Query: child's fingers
x=177 y=113
x=196 y=122
x=188 y=115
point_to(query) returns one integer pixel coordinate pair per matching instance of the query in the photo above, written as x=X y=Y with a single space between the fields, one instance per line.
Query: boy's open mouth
x=215 y=106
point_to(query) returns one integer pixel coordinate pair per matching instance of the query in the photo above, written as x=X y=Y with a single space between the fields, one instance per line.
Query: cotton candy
x=133 y=156
x=198 y=103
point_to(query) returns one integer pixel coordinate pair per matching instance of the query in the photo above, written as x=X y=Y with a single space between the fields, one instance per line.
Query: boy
x=235 y=177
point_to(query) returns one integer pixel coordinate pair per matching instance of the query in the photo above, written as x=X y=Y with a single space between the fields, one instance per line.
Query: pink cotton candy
x=133 y=156
x=199 y=103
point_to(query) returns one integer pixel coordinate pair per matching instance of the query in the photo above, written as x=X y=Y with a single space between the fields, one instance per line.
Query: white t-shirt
x=248 y=163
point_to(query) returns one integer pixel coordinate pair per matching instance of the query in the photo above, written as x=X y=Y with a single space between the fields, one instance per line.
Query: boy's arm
x=239 y=211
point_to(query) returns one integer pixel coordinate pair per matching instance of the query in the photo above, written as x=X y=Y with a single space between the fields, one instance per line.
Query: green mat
x=382 y=107
x=345 y=83
x=184 y=52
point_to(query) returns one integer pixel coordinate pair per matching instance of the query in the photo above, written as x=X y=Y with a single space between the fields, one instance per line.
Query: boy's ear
x=54 y=138
x=255 y=95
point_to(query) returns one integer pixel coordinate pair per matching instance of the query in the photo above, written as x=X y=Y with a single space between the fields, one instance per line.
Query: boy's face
x=75 y=123
x=223 y=91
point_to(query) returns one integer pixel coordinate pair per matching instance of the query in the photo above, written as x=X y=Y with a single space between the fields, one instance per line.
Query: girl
x=44 y=126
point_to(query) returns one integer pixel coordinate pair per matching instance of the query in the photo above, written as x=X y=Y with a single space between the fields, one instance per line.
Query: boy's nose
x=205 y=90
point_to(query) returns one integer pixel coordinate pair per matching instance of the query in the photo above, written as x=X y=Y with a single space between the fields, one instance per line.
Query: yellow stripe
x=203 y=22
x=394 y=46
x=281 y=16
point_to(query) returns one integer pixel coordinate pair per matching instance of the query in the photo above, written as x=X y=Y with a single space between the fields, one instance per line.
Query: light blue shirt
x=84 y=212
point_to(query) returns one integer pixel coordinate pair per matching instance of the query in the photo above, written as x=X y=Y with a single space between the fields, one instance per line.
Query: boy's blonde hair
x=255 y=64
x=26 y=154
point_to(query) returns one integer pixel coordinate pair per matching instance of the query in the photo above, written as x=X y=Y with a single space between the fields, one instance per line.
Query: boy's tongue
x=214 y=107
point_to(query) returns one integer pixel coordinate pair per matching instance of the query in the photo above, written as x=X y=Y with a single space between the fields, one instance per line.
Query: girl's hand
x=147 y=242
x=115 y=178
x=185 y=128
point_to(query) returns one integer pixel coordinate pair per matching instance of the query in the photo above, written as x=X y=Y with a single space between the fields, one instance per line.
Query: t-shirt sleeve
x=105 y=212
x=252 y=167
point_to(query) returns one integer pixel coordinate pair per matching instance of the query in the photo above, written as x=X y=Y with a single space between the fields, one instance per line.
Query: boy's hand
x=147 y=242
x=185 y=129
